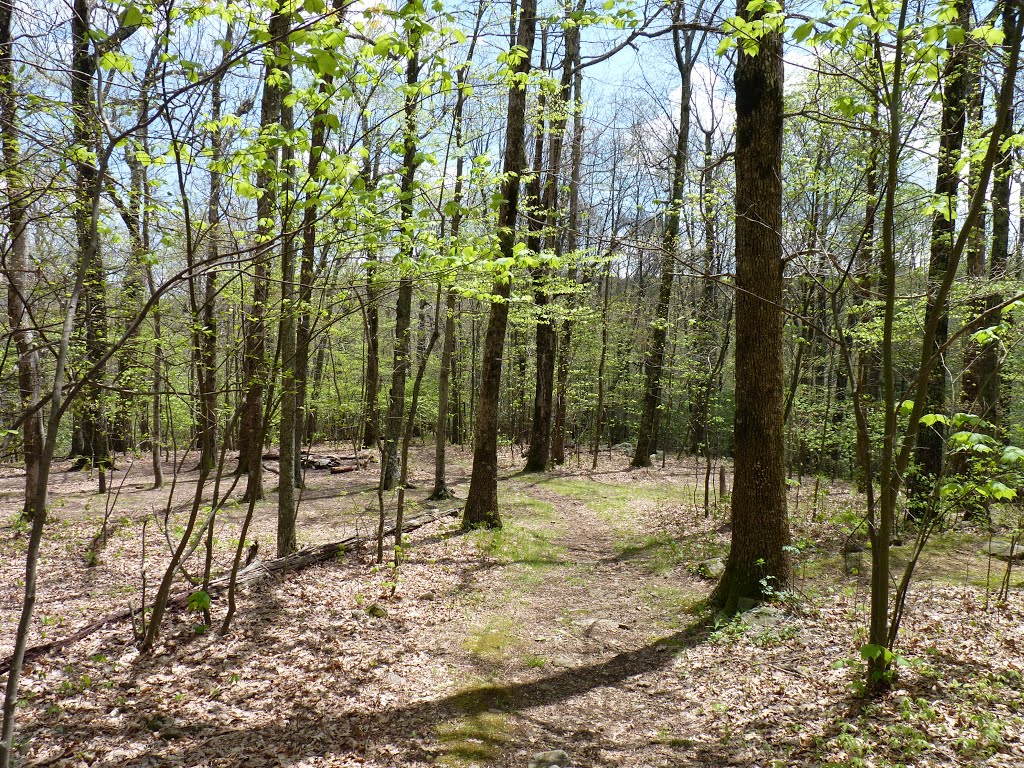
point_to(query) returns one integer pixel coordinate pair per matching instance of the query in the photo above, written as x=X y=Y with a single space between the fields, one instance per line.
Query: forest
x=511 y=383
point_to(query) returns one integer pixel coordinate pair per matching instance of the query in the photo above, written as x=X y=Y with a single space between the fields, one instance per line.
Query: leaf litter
x=577 y=627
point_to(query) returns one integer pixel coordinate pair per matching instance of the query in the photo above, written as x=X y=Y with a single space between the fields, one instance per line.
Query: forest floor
x=578 y=626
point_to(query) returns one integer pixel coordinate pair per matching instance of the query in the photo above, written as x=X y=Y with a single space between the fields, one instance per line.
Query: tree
x=482 y=502
x=17 y=266
x=542 y=449
x=289 y=428
x=390 y=468
x=930 y=445
x=441 y=490
x=256 y=368
x=685 y=57
x=93 y=321
x=758 y=564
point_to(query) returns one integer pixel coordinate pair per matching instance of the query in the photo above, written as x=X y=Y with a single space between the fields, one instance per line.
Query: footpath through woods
x=577 y=627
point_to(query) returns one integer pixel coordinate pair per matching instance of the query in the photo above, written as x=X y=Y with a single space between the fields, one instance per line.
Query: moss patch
x=476 y=739
x=494 y=641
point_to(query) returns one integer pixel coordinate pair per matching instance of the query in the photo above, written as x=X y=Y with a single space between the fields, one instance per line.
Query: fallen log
x=348 y=468
x=255 y=572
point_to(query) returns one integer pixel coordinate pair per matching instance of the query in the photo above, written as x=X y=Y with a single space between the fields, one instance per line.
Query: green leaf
x=383 y=46
x=114 y=60
x=997 y=490
x=198 y=601
x=804 y=31
x=870 y=651
x=1012 y=455
x=133 y=16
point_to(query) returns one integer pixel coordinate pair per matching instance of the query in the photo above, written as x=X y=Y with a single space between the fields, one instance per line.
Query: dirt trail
x=572 y=628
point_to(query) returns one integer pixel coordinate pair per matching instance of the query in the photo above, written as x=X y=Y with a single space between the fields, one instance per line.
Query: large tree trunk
x=18 y=270
x=94 y=310
x=928 y=455
x=758 y=564
x=482 y=502
x=255 y=367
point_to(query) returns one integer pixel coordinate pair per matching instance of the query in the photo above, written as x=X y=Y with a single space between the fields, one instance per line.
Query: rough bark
x=482 y=502
x=928 y=455
x=758 y=564
x=255 y=367
x=18 y=269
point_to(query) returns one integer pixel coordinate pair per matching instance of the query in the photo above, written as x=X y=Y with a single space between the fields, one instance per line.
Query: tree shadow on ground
x=306 y=734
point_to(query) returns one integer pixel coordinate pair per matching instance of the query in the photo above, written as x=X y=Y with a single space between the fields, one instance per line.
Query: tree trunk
x=290 y=421
x=544 y=352
x=997 y=271
x=571 y=244
x=371 y=377
x=928 y=455
x=482 y=502
x=979 y=384
x=541 y=447
x=304 y=331
x=18 y=270
x=647 y=438
x=599 y=409
x=255 y=367
x=207 y=364
x=758 y=564
x=390 y=465
x=94 y=310
x=445 y=374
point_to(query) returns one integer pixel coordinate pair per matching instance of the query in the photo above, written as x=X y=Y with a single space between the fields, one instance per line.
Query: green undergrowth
x=479 y=733
x=527 y=552
x=952 y=557
x=614 y=504
x=495 y=640
x=976 y=716
x=479 y=737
